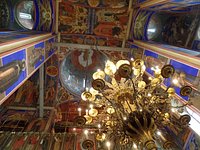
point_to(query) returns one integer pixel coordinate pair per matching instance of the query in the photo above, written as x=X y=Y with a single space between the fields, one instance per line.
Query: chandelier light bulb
x=125 y=118
x=86 y=89
x=149 y=95
x=86 y=132
x=86 y=112
x=98 y=75
x=122 y=62
x=74 y=129
x=108 y=144
x=99 y=126
x=79 y=111
x=93 y=91
x=91 y=106
x=158 y=133
x=173 y=110
x=143 y=68
x=175 y=81
x=134 y=145
x=110 y=68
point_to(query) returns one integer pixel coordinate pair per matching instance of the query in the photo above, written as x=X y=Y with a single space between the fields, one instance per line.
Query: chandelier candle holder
x=132 y=110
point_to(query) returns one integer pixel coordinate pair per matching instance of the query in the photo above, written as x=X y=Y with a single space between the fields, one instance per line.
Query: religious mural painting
x=99 y=3
x=185 y=73
x=36 y=56
x=180 y=30
x=110 y=22
x=51 y=80
x=24 y=96
x=159 y=62
x=140 y=24
x=23 y=121
x=77 y=68
x=13 y=71
x=46 y=15
x=91 y=40
x=18 y=142
x=93 y=26
x=73 y=19
x=79 y=64
x=16 y=121
x=49 y=47
x=136 y=52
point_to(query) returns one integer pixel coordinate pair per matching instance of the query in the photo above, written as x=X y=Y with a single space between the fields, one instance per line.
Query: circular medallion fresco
x=78 y=67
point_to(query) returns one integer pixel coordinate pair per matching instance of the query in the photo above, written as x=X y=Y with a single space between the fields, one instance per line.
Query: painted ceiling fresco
x=93 y=22
x=180 y=30
x=78 y=65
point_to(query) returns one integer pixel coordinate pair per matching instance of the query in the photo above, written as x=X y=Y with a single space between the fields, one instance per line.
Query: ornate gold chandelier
x=133 y=110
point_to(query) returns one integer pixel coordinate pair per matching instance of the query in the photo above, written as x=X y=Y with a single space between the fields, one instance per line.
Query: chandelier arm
x=133 y=85
x=106 y=98
x=129 y=105
x=119 y=116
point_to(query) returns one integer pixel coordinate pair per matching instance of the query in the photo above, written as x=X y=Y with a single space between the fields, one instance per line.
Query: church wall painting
x=51 y=80
x=186 y=74
x=24 y=96
x=13 y=120
x=74 y=61
x=46 y=15
x=99 y=3
x=21 y=64
x=35 y=55
x=49 y=47
x=91 y=25
x=136 y=52
x=91 y=40
x=13 y=71
x=140 y=24
x=110 y=23
x=73 y=19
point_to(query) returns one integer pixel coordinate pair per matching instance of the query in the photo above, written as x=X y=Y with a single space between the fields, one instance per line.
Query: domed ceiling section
x=99 y=22
x=27 y=15
x=77 y=68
